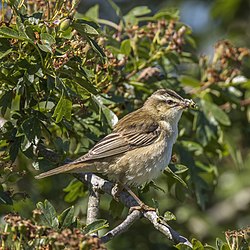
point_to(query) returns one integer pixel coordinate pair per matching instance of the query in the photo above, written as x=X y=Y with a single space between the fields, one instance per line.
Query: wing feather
x=120 y=142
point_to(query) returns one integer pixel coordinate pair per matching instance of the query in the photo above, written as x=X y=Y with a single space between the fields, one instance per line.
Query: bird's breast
x=147 y=163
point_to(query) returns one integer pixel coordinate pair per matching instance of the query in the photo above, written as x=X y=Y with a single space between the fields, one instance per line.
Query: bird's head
x=167 y=104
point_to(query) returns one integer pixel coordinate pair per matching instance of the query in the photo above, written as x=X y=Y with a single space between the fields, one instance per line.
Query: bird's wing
x=120 y=142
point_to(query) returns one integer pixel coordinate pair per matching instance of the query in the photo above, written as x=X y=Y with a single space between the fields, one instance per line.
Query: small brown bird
x=140 y=146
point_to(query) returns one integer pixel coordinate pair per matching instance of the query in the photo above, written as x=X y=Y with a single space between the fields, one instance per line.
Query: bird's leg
x=116 y=190
x=141 y=204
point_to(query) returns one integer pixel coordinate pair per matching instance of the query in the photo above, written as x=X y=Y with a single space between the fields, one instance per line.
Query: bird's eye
x=170 y=102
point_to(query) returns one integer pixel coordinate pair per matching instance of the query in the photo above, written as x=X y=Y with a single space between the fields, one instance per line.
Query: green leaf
x=74 y=190
x=3 y=54
x=5 y=198
x=139 y=11
x=14 y=148
x=197 y=245
x=96 y=226
x=86 y=84
x=93 y=12
x=6 y=101
x=66 y=218
x=168 y=216
x=32 y=129
x=84 y=28
x=125 y=47
x=7 y=32
x=96 y=47
x=106 y=115
x=63 y=109
x=221 y=245
x=45 y=48
x=47 y=39
x=170 y=173
x=168 y=13
x=213 y=110
x=116 y=8
x=189 y=81
x=49 y=216
x=182 y=246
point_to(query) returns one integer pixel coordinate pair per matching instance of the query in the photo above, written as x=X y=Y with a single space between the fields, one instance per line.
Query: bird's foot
x=142 y=207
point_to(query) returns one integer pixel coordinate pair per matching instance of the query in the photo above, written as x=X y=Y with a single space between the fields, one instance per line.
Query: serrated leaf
x=96 y=226
x=48 y=216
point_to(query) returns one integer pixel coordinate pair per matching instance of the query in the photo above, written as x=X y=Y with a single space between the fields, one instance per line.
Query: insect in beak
x=189 y=103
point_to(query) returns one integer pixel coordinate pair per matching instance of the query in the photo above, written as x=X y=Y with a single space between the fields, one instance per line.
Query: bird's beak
x=188 y=103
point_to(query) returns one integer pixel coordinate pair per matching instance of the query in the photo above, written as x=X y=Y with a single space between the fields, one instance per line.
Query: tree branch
x=93 y=206
x=129 y=201
x=124 y=226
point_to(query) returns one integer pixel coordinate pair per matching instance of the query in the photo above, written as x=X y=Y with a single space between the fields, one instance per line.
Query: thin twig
x=123 y=227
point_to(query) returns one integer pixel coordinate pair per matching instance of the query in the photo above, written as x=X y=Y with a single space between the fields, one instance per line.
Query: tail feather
x=71 y=167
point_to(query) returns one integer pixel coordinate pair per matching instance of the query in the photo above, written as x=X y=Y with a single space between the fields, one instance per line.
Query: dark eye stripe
x=170 y=102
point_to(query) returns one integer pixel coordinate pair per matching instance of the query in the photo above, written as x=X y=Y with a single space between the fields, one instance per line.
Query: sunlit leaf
x=63 y=109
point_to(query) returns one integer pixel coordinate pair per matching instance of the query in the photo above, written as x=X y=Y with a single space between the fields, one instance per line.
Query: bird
x=140 y=146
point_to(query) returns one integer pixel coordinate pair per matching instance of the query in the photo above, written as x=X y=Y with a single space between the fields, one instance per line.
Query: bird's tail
x=71 y=167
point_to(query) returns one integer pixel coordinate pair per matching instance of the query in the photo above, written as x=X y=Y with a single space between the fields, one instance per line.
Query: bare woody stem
x=93 y=206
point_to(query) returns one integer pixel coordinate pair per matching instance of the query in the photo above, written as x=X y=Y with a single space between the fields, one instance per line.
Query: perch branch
x=93 y=206
x=123 y=227
x=128 y=201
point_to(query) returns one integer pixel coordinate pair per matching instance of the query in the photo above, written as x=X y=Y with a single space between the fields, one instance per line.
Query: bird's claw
x=142 y=208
